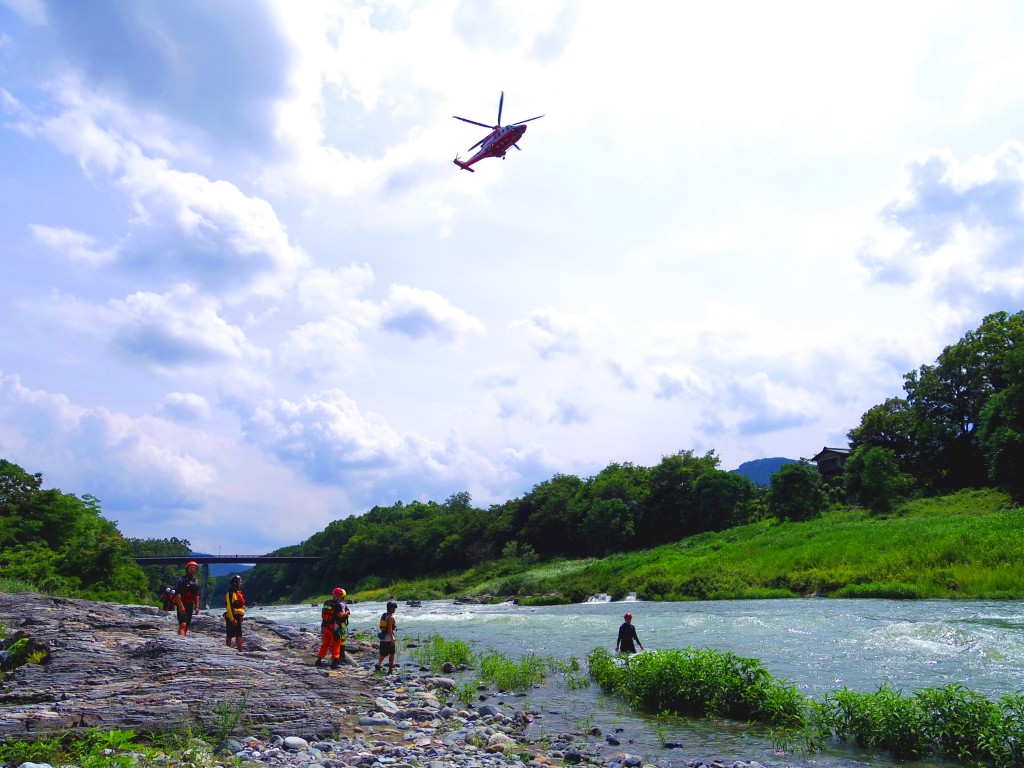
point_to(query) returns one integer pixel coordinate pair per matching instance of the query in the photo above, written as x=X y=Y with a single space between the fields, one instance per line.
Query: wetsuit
x=235 y=601
x=627 y=634
x=333 y=629
x=186 y=591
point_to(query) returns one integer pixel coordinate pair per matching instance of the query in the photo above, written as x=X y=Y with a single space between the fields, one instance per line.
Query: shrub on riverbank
x=699 y=683
x=952 y=721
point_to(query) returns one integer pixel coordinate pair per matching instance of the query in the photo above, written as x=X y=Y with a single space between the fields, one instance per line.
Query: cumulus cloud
x=326 y=435
x=184 y=407
x=673 y=383
x=77 y=246
x=419 y=314
x=113 y=455
x=179 y=328
x=194 y=228
x=552 y=333
x=957 y=228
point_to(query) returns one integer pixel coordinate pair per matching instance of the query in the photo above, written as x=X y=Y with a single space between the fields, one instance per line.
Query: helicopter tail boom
x=462 y=165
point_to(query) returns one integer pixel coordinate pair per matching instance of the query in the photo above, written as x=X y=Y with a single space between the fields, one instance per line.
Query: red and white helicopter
x=498 y=141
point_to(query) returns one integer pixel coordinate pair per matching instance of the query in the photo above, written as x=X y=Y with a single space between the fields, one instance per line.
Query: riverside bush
x=952 y=721
x=699 y=683
x=507 y=674
x=435 y=651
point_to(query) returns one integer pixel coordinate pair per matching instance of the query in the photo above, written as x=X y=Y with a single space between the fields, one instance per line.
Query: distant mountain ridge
x=760 y=471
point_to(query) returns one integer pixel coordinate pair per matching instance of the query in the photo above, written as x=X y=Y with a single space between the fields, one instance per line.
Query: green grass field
x=968 y=545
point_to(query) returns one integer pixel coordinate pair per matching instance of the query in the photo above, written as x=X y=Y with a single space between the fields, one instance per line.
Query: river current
x=818 y=644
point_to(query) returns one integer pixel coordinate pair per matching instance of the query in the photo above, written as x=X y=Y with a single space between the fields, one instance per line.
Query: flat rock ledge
x=124 y=666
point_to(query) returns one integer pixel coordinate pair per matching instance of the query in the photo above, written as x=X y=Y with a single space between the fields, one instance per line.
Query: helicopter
x=498 y=141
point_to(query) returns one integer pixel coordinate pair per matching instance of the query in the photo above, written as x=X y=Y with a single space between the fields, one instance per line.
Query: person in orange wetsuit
x=235 y=601
x=333 y=628
x=186 y=597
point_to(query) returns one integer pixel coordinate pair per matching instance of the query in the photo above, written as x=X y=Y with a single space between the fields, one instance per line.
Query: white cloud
x=957 y=229
x=130 y=458
x=77 y=246
x=419 y=313
x=180 y=328
x=184 y=406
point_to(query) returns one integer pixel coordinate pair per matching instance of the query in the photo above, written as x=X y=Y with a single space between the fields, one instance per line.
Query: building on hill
x=830 y=462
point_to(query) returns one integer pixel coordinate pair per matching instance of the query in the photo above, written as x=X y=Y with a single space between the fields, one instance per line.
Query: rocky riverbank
x=124 y=667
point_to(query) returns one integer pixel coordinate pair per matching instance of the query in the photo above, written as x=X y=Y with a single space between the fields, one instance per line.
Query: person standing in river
x=235 y=612
x=627 y=635
x=186 y=597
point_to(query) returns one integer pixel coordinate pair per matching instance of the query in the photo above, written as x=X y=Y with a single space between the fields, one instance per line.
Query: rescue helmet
x=628 y=616
x=392 y=605
x=236 y=580
x=191 y=564
x=339 y=592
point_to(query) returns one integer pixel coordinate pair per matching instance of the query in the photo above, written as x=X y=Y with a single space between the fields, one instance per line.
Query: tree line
x=959 y=425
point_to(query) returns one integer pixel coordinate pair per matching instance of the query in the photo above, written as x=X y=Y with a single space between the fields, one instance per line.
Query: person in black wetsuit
x=627 y=636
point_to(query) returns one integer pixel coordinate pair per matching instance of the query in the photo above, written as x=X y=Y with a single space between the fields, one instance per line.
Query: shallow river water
x=818 y=644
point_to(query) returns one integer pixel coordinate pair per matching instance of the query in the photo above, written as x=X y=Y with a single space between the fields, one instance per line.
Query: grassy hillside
x=967 y=545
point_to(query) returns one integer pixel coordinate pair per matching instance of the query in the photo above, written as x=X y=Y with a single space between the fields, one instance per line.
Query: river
x=818 y=644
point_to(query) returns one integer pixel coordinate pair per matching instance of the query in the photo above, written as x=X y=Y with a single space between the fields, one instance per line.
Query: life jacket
x=383 y=634
x=329 y=614
x=237 y=602
x=188 y=589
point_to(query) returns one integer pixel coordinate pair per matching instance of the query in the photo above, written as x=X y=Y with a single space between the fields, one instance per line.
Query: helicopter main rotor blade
x=477 y=144
x=518 y=147
x=501 y=103
x=474 y=122
x=538 y=117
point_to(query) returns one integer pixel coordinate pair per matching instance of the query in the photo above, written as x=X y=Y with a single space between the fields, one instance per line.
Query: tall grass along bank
x=952 y=721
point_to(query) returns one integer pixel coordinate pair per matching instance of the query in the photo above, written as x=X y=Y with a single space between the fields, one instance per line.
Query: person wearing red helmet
x=627 y=635
x=186 y=597
x=333 y=628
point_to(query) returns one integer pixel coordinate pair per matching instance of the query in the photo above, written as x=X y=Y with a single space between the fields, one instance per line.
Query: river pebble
x=414 y=725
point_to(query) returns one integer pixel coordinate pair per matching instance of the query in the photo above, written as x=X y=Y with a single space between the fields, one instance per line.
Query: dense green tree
x=873 y=479
x=934 y=433
x=552 y=518
x=1001 y=428
x=669 y=512
x=722 y=500
x=61 y=543
x=797 y=492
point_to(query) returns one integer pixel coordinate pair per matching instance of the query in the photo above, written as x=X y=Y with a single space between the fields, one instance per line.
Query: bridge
x=206 y=560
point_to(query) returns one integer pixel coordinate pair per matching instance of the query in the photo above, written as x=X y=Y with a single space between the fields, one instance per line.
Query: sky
x=245 y=292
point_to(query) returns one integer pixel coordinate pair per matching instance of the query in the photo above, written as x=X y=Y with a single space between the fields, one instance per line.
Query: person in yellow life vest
x=186 y=597
x=386 y=637
x=333 y=628
x=235 y=601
